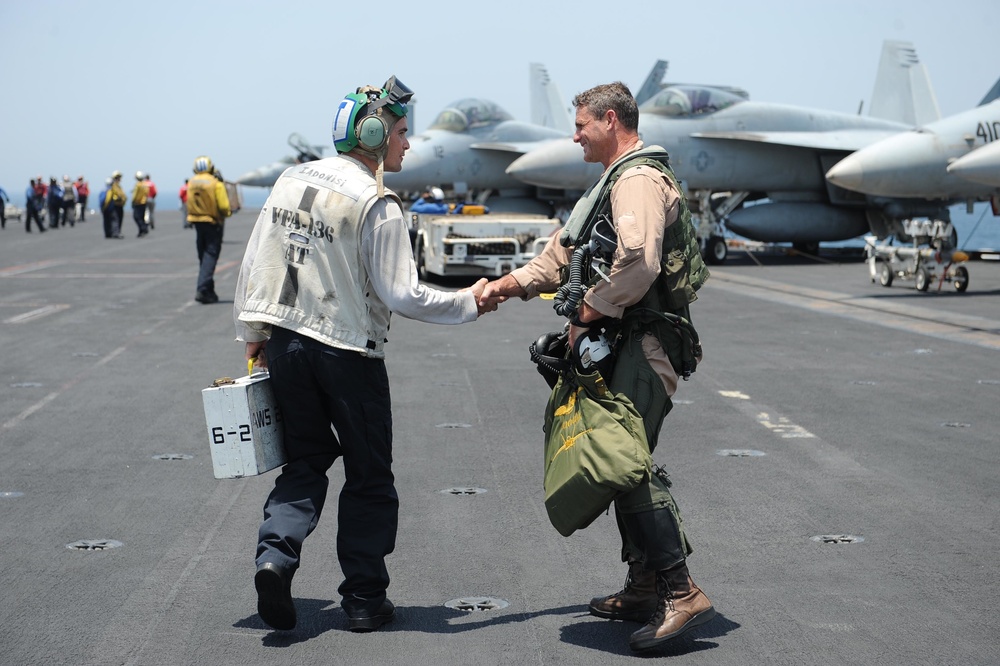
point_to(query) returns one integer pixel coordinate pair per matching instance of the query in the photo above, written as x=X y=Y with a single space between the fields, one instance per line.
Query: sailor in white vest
x=327 y=263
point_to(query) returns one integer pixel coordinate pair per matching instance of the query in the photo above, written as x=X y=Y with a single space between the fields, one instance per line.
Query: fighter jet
x=953 y=159
x=466 y=149
x=729 y=151
x=471 y=143
x=267 y=175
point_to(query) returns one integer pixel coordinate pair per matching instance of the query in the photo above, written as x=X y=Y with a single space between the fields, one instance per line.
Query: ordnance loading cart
x=931 y=259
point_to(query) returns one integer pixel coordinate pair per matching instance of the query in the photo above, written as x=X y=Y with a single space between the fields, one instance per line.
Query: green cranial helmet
x=360 y=120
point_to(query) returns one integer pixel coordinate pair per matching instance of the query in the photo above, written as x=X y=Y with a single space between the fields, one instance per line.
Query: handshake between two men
x=490 y=294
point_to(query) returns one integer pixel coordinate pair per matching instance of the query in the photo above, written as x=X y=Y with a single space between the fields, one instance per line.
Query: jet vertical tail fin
x=902 y=87
x=547 y=107
x=653 y=82
x=992 y=94
x=305 y=151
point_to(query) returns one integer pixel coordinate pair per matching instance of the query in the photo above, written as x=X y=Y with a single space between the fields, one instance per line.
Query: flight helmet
x=360 y=120
x=203 y=164
x=548 y=353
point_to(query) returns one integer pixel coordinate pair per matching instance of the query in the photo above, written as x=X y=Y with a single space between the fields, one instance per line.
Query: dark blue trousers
x=316 y=387
x=139 y=215
x=208 y=242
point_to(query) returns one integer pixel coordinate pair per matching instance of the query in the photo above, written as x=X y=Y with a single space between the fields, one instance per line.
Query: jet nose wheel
x=716 y=250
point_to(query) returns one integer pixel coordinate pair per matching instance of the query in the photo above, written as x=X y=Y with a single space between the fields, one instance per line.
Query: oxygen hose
x=569 y=295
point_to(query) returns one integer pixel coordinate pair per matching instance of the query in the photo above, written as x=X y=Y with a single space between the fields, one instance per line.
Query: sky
x=93 y=87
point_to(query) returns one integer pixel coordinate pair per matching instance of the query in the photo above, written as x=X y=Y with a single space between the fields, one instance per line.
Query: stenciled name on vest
x=332 y=179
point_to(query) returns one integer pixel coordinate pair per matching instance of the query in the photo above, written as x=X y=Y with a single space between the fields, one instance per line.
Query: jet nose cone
x=900 y=166
x=264 y=176
x=417 y=172
x=527 y=168
x=558 y=165
x=847 y=173
x=979 y=166
x=251 y=178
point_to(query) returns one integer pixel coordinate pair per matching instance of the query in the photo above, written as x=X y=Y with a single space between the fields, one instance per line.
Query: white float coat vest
x=306 y=272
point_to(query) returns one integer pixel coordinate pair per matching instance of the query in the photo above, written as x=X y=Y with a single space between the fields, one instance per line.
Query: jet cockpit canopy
x=681 y=101
x=469 y=113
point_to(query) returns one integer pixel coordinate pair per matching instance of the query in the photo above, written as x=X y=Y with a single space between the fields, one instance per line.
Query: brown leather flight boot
x=681 y=606
x=636 y=602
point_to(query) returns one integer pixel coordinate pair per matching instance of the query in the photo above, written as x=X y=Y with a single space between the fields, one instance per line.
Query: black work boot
x=636 y=601
x=361 y=619
x=274 y=596
x=681 y=606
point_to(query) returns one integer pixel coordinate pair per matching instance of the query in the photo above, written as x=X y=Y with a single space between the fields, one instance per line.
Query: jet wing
x=518 y=148
x=839 y=140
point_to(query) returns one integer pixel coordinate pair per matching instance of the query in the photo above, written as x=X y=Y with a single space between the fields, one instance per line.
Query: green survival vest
x=663 y=309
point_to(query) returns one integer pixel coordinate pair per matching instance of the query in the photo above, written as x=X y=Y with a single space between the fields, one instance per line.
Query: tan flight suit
x=644 y=202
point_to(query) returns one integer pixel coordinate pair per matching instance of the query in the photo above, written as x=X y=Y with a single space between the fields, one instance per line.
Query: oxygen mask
x=548 y=353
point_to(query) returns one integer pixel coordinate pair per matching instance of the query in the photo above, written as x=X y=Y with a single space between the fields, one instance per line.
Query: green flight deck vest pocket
x=676 y=271
x=595 y=449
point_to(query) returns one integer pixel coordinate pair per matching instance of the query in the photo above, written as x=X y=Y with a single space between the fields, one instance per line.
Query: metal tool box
x=244 y=426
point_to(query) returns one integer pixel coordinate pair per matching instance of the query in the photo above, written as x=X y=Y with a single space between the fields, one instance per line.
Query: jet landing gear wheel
x=923 y=279
x=885 y=274
x=961 y=279
x=716 y=250
x=807 y=247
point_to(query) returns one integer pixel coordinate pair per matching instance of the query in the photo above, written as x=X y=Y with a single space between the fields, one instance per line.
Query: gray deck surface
x=876 y=410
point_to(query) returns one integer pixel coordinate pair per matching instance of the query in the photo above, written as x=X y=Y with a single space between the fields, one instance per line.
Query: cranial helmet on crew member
x=365 y=118
x=202 y=164
x=361 y=120
x=437 y=194
x=140 y=175
x=116 y=174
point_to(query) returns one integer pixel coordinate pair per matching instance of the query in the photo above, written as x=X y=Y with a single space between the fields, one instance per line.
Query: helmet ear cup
x=372 y=133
